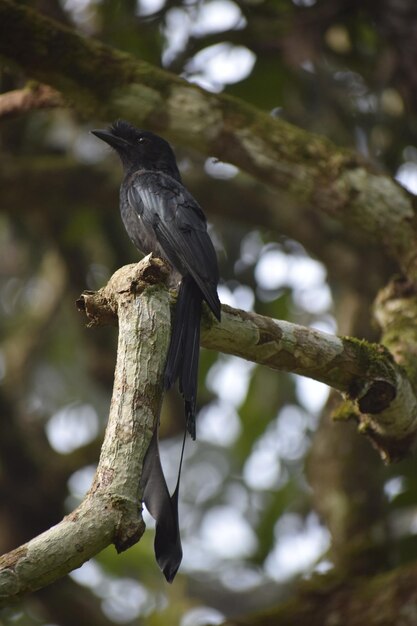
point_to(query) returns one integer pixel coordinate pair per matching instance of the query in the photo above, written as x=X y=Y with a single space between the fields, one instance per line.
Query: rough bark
x=110 y=512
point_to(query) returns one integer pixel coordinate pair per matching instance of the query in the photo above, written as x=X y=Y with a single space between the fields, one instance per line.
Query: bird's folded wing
x=180 y=228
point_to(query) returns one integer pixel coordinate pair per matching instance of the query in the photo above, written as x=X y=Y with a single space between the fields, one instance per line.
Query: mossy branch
x=384 y=401
x=102 y=82
x=110 y=512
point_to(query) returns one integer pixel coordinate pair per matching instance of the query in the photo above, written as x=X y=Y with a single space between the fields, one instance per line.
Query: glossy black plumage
x=162 y=217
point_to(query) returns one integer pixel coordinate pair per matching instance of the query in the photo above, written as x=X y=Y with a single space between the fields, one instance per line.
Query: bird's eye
x=142 y=140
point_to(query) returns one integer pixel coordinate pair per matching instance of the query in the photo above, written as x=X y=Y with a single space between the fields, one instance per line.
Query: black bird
x=162 y=217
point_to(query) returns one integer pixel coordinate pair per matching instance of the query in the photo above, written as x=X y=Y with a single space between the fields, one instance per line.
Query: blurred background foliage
x=272 y=490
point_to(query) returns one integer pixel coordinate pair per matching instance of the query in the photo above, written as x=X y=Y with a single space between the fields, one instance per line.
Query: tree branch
x=110 y=512
x=386 y=406
x=385 y=402
x=100 y=81
x=34 y=96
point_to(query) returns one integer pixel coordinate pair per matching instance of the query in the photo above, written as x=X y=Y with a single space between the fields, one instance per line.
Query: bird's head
x=139 y=149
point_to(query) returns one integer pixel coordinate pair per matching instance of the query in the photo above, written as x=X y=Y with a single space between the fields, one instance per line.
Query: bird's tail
x=164 y=509
x=184 y=349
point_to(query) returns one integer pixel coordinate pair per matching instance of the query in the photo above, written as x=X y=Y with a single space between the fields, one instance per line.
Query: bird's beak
x=113 y=140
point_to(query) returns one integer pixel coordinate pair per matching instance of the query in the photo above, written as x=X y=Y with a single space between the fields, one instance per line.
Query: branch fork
x=137 y=298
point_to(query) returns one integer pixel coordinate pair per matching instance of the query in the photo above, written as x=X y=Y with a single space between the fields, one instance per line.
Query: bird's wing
x=180 y=228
